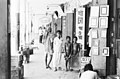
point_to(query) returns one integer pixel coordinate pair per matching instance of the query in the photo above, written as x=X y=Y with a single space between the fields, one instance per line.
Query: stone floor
x=36 y=68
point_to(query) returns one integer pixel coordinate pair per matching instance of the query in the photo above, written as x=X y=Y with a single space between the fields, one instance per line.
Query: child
x=75 y=53
x=67 y=56
x=76 y=47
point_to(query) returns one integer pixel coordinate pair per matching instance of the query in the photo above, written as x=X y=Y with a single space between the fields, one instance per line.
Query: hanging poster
x=103 y=33
x=94 y=33
x=95 y=51
x=80 y=25
x=95 y=42
x=93 y=22
x=94 y=11
x=103 y=22
x=104 y=10
x=105 y=51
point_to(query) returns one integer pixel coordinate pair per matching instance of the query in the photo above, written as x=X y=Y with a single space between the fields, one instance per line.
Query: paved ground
x=36 y=68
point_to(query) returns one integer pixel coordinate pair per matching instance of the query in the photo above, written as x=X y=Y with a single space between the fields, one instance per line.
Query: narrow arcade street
x=59 y=39
x=36 y=68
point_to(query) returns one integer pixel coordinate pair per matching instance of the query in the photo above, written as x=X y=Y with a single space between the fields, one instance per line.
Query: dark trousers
x=27 y=58
x=40 y=39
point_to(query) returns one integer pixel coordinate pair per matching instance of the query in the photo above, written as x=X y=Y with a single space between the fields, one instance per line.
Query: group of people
x=54 y=48
x=25 y=53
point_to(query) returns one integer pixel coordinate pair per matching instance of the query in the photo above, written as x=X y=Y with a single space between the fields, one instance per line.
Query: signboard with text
x=80 y=26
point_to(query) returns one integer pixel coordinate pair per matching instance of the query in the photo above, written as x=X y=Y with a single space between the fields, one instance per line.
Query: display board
x=80 y=26
x=98 y=35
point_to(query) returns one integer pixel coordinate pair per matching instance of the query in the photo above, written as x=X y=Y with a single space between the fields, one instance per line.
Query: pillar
x=22 y=22
x=27 y=22
x=4 y=53
x=14 y=26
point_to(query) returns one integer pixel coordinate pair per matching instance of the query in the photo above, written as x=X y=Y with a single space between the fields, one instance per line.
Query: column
x=22 y=22
x=14 y=26
x=4 y=70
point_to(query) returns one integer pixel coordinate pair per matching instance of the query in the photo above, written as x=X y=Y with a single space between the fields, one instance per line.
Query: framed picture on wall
x=95 y=51
x=94 y=11
x=104 y=10
x=93 y=22
x=95 y=42
x=103 y=33
x=103 y=22
x=105 y=51
x=94 y=33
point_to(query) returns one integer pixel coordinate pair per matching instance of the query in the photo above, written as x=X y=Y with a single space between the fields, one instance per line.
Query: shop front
x=97 y=29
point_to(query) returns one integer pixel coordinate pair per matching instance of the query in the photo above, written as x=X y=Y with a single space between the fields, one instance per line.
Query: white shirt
x=90 y=37
x=40 y=32
x=57 y=44
x=89 y=75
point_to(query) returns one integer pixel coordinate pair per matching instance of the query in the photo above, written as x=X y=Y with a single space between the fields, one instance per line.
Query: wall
x=118 y=59
x=3 y=40
x=118 y=3
x=59 y=24
x=70 y=25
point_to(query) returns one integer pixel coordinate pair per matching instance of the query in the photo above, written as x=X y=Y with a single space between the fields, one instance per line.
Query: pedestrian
x=49 y=48
x=57 y=51
x=89 y=73
x=75 y=51
x=40 y=34
x=45 y=32
x=21 y=58
x=67 y=47
x=21 y=50
x=27 y=55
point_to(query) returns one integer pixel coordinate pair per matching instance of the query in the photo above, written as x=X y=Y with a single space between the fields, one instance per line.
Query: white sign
x=85 y=60
x=80 y=26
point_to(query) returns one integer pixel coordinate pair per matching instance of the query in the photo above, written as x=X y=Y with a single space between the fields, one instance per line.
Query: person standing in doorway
x=49 y=48
x=57 y=50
